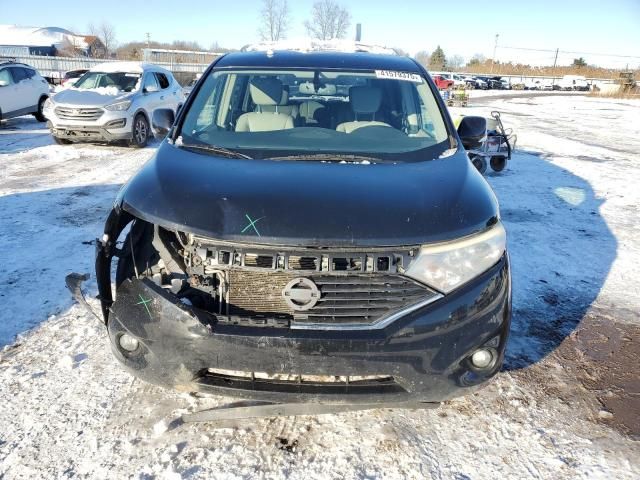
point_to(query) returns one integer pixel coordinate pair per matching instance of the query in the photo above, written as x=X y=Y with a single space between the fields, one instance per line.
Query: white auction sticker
x=406 y=76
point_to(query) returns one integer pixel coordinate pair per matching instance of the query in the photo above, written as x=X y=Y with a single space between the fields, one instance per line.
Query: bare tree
x=328 y=20
x=274 y=19
x=107 y=35
x=455 y=61
x=422 y=57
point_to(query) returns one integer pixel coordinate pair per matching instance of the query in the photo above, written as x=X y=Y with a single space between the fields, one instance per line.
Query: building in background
x=18 y=41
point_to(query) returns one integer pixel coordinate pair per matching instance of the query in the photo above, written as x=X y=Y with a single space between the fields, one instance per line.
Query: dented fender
x=117 y=220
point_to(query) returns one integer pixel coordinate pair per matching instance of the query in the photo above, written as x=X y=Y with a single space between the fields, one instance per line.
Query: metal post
x=553 y=72
x=493 y=58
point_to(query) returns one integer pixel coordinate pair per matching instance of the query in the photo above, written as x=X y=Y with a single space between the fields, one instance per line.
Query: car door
x=24 y=88
x=8 y=98
x=169 y=91
x=151 y=92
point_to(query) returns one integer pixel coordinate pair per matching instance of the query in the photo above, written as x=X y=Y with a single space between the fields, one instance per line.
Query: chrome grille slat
x=356 y=299
x=263 y=282
x=69 y=113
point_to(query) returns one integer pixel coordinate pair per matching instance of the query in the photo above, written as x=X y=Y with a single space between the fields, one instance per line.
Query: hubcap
x=141 y=131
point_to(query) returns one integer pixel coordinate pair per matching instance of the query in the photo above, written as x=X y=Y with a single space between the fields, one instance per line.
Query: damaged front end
x=332 y=325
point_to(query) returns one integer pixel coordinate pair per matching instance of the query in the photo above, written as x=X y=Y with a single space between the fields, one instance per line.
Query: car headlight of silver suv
x=446 y=266
x=48 y=105
x=119 y=106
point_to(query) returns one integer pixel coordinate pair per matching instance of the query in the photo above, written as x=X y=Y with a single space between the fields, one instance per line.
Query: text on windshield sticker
x=392 y=74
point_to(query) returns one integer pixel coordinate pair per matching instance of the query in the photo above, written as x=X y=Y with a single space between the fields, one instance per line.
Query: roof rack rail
x=313 y=45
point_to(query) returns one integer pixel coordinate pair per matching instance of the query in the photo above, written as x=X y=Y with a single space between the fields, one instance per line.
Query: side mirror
x=4 y=83
x=162 y=121
x=151 y=89
x=471 y=131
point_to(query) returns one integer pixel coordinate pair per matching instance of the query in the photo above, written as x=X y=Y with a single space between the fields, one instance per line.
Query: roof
x=318 y=60
x=128 y=67
x=38 y=37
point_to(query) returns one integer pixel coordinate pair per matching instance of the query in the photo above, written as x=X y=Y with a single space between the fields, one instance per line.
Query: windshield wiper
x=223 y=152
x=332 y=157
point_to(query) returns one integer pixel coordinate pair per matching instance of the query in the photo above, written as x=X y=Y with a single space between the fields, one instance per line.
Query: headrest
x=285 y=97
x=266 y=91
x=365 y=99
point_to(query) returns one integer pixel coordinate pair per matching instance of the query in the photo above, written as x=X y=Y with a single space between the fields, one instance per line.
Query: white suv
x=112 y=101
x=22 y=91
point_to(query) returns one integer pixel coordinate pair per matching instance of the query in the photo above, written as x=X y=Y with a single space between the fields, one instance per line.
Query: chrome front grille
x=307 y=287
x=70 y=113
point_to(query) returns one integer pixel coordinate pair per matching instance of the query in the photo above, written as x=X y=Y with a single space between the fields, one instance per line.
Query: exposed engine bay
x=272 y=286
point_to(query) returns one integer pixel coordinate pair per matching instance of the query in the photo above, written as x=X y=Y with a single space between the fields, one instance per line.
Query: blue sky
x=461 y=27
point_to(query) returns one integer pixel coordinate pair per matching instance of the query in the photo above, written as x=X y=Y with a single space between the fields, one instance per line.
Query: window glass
x=5 y=77
x=292 y=113
x=126 y=82
x=163 y=81
x=18 y=73
x=150 y=81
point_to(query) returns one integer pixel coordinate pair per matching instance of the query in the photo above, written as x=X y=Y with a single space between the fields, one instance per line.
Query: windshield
x=121 y=81
x=320 y=115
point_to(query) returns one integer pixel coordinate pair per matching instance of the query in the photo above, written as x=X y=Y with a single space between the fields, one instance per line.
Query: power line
x=569 y=51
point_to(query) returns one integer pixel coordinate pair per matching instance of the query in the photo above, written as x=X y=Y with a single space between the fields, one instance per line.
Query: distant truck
x=573 y=82
x=442 y=83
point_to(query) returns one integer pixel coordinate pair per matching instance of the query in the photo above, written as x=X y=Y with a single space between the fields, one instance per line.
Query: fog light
x=482 y=358
x=121 y=122
x=128 y=343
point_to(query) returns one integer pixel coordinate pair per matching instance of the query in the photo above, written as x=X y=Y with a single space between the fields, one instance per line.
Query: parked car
x=475 y=82
x=442 y=83
x=573 y=82
x=187 y=90
x=312 y=247
x=23 y=91
x=72 y=77
x=458 y=80
x=112 y=102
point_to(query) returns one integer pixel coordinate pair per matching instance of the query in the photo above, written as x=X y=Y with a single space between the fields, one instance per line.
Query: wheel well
x=143 y=112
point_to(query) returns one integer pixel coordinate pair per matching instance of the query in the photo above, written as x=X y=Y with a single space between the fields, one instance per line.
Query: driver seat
x=363 y=101
x=265 y=92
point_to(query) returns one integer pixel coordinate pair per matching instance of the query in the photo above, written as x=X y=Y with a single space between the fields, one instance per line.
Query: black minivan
x=310 y=230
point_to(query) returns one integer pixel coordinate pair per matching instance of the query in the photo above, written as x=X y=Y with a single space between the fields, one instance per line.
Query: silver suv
x=22 y=91
x=112 y=102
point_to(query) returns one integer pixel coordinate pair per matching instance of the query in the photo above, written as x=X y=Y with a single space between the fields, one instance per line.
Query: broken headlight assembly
x=446 y=266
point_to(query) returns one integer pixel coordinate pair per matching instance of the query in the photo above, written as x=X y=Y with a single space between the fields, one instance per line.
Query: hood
x=98 y=97
x=311 y=203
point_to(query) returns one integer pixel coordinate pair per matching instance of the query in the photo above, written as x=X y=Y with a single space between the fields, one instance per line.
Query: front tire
x=39 y=115
x=140 y=131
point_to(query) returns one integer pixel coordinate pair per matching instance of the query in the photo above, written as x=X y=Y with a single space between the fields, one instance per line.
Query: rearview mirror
x=162 y=121
x=471 y=131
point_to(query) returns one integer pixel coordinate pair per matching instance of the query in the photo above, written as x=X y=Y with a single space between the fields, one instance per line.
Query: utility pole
x=148 y=38
x=555 y=61
x=493 y=58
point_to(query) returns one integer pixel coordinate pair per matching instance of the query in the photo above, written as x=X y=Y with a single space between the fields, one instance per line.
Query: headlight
x=446 y=266
x=119 y=106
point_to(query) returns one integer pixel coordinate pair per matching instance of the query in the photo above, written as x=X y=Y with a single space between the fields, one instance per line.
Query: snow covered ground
x=567 y=404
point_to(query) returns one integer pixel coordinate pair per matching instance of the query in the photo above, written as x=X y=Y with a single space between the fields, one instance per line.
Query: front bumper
x=425 y=353
x=110 y=129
